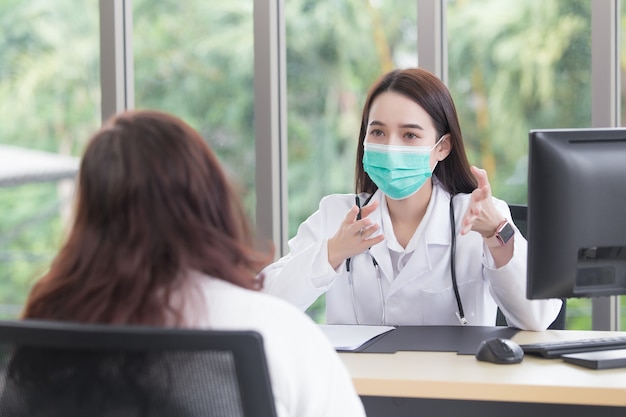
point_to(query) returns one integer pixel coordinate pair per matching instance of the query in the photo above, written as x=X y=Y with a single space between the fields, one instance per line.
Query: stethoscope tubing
x=380 y=290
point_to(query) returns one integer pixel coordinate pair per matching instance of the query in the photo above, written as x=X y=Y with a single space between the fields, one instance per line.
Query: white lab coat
x=422 y=292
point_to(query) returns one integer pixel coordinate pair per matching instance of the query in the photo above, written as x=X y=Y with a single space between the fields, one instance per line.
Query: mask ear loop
x=438 y=142
x=460 y=314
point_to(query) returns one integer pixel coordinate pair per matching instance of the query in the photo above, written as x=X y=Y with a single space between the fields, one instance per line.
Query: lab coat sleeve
x=508 y=286
x=304 y=274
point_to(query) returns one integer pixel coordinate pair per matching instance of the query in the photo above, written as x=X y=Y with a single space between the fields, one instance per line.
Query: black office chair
x=519 y=214
x=56 y=369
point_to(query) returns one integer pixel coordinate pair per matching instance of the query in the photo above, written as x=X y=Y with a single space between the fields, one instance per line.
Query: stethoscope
x=460 y=314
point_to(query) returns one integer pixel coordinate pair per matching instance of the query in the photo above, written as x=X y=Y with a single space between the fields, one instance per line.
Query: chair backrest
x=519 y=215
x=55 y=369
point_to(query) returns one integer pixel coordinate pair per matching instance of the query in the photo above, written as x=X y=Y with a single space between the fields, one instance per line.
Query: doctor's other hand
x=481 y=216
x=354 y=236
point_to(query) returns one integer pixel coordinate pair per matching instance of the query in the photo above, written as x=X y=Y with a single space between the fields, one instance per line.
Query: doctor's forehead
x=392 y=109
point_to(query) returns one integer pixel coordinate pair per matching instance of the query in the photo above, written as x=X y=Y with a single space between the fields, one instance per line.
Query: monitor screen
x=576 y=213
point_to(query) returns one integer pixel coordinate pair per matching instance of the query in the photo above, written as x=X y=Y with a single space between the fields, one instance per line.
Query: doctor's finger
x=370 y=208
x=351 y=215
x=467 y=223
x=367 y=228
x=472 y=213
x=482 y=178
x=370 y=238
x=478 y=196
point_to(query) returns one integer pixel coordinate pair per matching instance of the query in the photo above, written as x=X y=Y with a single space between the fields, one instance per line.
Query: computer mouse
x=501 y=351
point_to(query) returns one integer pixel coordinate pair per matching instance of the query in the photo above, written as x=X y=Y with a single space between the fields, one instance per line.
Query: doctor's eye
x=376 y=132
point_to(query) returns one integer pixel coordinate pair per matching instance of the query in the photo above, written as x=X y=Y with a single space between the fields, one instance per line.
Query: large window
x=49 y=105
x=195 y=59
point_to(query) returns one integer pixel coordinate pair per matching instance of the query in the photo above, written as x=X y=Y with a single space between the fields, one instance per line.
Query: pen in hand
x=357 y=200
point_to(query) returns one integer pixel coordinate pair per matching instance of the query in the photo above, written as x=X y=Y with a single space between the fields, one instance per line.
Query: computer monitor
x=576 y=213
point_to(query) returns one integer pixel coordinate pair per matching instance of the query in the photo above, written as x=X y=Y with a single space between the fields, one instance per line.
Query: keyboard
x=554 y=349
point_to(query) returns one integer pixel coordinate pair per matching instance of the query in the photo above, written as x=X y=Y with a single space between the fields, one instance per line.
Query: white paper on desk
x=349 y=337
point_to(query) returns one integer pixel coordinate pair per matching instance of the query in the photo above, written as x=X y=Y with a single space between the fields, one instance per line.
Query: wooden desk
x=382 y=379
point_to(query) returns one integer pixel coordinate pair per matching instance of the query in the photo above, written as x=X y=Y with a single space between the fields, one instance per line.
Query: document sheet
x=350 y=337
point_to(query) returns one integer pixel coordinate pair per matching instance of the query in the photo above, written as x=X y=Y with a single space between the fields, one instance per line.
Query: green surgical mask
x=398 y=171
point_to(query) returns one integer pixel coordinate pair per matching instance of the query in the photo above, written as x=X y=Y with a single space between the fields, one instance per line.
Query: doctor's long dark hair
x=152 y=203
x=433 y=96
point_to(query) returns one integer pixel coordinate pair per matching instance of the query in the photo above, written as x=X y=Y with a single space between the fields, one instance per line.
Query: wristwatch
x=504 y=233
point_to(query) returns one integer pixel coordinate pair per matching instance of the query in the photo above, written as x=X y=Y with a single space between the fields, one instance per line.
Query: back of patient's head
x=152 y=202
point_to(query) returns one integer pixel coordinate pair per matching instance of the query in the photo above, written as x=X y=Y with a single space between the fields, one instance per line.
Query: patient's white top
x=308 y=377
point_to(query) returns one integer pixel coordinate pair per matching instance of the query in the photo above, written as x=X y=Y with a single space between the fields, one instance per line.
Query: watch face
x=505 y=233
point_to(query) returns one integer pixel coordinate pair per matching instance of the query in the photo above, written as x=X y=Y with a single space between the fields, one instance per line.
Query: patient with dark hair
x=160 y=238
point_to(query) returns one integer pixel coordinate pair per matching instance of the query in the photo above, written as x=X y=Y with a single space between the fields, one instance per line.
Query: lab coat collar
x=437 y=230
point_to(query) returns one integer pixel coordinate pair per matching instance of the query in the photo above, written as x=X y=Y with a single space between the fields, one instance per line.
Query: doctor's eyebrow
x=404 y=126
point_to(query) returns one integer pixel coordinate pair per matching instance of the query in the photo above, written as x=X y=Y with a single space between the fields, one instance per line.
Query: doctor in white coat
x=423 y=241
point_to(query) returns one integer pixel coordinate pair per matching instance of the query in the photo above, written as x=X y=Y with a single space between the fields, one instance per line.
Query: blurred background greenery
x=512 y=66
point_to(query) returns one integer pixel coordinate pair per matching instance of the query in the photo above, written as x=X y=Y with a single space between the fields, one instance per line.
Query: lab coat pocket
x=439 y=306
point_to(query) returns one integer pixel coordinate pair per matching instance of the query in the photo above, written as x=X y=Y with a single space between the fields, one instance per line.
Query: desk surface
x=446 y=375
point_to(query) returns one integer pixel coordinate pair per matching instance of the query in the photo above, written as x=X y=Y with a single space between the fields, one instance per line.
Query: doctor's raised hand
x=482 y=217
x=355 y=235
x=431 y=246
